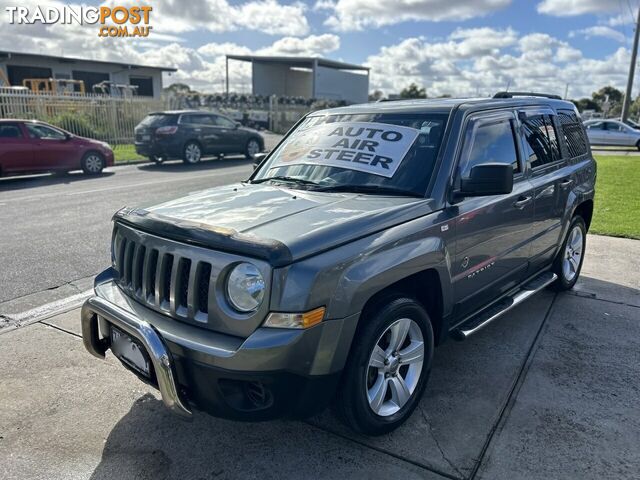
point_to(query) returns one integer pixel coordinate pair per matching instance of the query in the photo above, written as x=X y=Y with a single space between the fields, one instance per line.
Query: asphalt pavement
x=55 y=230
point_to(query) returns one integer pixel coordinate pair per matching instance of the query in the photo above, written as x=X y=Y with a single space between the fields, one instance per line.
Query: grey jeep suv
x=366 y=238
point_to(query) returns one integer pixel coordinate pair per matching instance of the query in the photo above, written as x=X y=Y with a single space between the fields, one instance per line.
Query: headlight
x=245 y=287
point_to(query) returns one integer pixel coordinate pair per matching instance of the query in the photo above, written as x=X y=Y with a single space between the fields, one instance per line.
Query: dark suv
x=366 y=238
x=193 y=134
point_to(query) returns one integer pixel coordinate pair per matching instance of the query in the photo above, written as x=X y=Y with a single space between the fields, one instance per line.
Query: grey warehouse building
x=306 y=77
x=17 y=67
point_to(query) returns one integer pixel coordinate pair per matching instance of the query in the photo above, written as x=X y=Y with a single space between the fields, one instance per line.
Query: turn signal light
x=295 y=320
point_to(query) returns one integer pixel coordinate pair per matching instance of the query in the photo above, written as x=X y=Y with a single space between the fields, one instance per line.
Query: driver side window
x=489 y=142
x=44 y=133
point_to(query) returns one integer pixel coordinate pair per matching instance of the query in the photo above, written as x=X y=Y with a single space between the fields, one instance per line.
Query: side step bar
x=485 y=317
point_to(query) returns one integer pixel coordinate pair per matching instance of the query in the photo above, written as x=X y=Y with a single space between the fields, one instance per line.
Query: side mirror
x=237 y=125
x=488 y=179
x=258 y=158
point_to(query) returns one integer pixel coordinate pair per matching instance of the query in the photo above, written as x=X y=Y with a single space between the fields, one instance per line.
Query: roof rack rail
x=526 y=94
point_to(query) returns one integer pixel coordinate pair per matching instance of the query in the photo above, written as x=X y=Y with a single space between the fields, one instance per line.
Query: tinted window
x=541 y=141
x=614 y=127
x=573 y=133
x=490 y=143
x=223 y=122
x=44 y=133
x=195 y=119
x=596 y=126
x=10 y=131
x=158 y=120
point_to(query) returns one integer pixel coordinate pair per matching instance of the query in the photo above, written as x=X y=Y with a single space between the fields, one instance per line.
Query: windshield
x=385 y=152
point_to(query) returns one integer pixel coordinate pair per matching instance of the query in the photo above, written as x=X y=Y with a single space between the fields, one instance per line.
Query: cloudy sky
x=455 y=47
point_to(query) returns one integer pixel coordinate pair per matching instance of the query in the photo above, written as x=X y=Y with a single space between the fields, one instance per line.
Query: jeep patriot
x=367 y=237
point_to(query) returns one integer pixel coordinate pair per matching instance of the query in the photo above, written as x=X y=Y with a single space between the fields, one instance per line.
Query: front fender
x=344 y=278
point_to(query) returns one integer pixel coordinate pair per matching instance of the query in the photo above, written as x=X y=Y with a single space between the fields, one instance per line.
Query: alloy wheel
x=93 y=164
x=253 y=148
x=394 y=367
x=192 y=153
x=573 y=253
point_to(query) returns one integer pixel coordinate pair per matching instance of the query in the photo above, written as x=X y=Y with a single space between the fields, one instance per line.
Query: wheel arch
x=585 y=210
x=425 y=287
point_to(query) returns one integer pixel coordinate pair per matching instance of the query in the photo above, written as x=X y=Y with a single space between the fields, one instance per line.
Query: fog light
x=295 y=320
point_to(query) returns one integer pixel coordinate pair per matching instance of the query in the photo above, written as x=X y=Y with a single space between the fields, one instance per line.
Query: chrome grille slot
x=166 y=267
x=128 y=263
x=182 y=286
x=202 y=293
x=149 y=277
x=138 y=269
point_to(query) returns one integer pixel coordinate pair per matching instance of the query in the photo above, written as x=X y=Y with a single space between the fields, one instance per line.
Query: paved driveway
x=549 y=391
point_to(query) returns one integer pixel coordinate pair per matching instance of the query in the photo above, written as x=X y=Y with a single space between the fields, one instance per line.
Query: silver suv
x=370 y=235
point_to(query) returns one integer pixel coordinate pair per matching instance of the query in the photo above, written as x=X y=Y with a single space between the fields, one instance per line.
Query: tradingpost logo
x=111 y=21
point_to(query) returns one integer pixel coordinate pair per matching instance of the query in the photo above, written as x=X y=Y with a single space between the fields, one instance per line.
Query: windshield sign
x=369 y=147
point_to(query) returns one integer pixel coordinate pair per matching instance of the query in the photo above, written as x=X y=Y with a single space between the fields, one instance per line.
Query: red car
x=29 y=146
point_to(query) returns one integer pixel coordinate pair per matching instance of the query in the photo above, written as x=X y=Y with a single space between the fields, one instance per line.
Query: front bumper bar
x=96 y=307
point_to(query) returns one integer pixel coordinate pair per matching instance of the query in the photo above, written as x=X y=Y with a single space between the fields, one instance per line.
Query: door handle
x=522 y=202
x=566 y=183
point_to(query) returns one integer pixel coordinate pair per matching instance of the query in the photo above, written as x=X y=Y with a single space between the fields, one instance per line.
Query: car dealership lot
x=548 y=391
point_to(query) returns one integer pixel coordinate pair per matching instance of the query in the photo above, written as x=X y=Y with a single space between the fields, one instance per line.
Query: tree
x=413 y=91
x=586 y=104
x=610 y=100
x=375 y=96
x=178 y=88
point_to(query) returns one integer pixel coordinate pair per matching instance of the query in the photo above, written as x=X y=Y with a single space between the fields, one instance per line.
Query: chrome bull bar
x=95 y=307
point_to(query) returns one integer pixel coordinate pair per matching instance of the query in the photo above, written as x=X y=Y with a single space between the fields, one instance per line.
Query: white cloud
x=311 y=46
x=358 y=14
x=533 y=62
x=566 y=8
x=599 y=31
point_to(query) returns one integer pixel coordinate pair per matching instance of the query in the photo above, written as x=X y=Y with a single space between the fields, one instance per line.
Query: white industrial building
x=306 y=77
x=16 y=67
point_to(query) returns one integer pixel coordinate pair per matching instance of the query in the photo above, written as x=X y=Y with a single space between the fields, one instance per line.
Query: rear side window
x=541 y=141
x=10 y=131
x=158 y=120
x=573 y=133
x=492 y=142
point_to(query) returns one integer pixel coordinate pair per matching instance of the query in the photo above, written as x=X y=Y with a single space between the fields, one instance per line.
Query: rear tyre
x=192 y=153
x=93 y=163
x=638 y=145
x=252 y=148
x=388 y=367
x=568 y=262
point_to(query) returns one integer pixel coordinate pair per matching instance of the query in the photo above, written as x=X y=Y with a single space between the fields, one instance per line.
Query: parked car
x=30 y=146
x=612 y=133
x=366 y=238
x=193 y=134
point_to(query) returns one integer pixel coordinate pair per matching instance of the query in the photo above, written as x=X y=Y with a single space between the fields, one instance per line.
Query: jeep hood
x=274 y=223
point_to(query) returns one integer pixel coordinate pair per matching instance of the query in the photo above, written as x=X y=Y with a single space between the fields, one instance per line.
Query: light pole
x=632 y=71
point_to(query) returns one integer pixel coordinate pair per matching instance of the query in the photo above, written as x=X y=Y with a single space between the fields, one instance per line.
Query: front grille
x=162 y=279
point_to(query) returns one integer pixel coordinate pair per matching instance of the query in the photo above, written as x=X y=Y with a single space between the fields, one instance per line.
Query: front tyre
x=252 y=149
x=388 y=367
x=568 y=262
x=92 y=163
x=192 y=153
